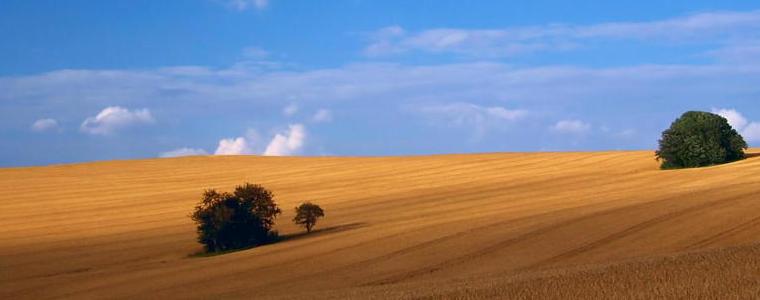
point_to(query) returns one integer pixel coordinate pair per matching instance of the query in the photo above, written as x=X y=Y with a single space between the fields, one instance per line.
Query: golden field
x=502 y=225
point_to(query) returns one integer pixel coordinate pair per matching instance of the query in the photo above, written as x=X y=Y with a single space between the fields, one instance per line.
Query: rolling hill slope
x=479 y=225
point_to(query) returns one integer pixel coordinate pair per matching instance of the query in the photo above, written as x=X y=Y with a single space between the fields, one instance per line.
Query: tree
x=307 y=215
x=699 y=139
x=236 y=220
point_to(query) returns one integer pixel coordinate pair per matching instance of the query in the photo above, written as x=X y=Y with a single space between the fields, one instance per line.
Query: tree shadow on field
x=287 y=237
x=318 y=232
x=751 y=155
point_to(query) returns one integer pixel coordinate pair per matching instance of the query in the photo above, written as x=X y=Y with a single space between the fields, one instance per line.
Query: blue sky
x=97 y=80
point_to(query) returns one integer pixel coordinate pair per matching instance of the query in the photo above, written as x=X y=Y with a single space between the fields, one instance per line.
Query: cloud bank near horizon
x=382 y=105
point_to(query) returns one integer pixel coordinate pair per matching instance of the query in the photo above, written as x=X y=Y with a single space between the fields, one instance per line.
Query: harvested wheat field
x=503 y=225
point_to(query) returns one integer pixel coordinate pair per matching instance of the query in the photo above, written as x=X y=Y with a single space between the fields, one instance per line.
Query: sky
x=102 y=80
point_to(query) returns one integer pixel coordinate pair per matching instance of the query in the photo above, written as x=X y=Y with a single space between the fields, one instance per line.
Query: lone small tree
x=235 y=220
x=699 y=139
x=307 y=214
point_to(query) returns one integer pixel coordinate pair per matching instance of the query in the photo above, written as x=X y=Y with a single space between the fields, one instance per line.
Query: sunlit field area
x=548 y=225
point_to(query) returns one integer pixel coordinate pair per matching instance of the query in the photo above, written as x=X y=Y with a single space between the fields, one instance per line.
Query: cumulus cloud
x=290 y=110
x=749 y=130
x=735 y=119
x=287 y=143
x=183 y=152
x=233 y=146
x=246 y=4
x=726 y=26
x=114 y=118
x=571 y=126
x=322 y=116
x=44 y=125
x=752 y=132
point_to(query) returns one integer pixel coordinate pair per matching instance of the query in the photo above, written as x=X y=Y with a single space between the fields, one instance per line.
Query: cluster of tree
x=244 y=218
x=699 y=139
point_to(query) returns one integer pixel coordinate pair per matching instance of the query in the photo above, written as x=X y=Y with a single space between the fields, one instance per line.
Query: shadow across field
x=318 y=232
x=287 y=237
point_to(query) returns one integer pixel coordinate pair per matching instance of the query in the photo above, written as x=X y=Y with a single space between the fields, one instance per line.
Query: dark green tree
x=307 y=214
x=699 y=139
x=236 y=220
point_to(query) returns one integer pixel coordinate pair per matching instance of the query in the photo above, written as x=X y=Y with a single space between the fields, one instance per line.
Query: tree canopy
x=307 y=214
x=699 y=139
x=235 y=220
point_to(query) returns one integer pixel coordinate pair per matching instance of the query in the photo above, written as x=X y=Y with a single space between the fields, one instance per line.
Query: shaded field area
x=516 y=225
x=725 y=273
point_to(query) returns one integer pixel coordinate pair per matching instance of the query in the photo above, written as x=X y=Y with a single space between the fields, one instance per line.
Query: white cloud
x=480 y=118
x=287 y=143
x=749 y=130
x=225 y=89
x=246 y=4
x=247 y=144
x=383 y=87
x=694 y=26
x=322 y=116
x=735 y=119
x=233 y=146
x=44 y=125
x=738 y=52
x=487 y=42
x=192 y=91
x=727 y=26
x=255 y=53
x=626 y=133
x=460 y=113
x=290 y=110
x=183 y=152
x=284 y=143
x=752 y=132
x=571 y=126
x=384 y=41
x=505 y=114
x=114 y=118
